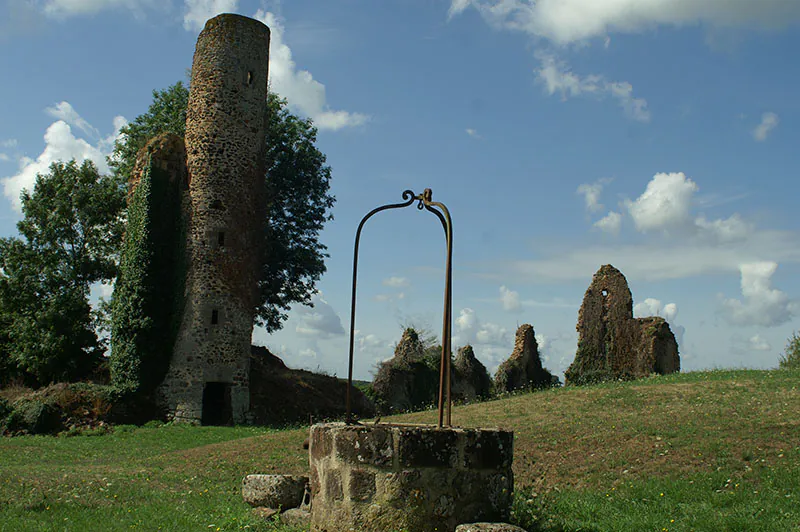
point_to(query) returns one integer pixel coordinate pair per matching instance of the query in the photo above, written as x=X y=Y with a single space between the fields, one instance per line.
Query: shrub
x=791 y=356
x=34 y=415
x=5 y=410
x=76 y=407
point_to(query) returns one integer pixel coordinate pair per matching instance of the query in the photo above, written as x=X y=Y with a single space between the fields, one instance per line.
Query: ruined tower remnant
x=523 y=369
x=470 y=378
x=614 y=345
x=226 y=121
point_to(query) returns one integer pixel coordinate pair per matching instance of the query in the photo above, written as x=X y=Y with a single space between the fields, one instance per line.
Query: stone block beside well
x=408 y=477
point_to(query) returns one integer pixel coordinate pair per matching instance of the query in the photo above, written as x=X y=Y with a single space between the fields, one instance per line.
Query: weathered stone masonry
x=612 y=344
x=376 y=478
x=226 y=124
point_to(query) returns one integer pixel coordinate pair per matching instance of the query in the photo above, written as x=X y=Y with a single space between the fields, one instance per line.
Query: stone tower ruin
x=226 y=131
x=612 y=344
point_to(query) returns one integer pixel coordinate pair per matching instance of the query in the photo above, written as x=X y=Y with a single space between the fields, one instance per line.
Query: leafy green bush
x=791 y=356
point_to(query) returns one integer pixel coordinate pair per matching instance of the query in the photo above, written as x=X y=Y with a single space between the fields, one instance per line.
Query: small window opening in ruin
x=221 y=239
x=217 y=204
x=604 y=292
x=214 y=317
x=217 y=408
x=250 y=79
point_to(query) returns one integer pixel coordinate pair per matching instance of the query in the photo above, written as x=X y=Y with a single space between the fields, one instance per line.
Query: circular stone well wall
x=408 y=477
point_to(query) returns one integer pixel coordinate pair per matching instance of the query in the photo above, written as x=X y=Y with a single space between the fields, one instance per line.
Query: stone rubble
x=278 y=492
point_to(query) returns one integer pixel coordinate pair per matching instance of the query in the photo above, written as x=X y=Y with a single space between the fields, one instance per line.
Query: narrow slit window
x=221 y=239
x=214 y=317
x=250 y=79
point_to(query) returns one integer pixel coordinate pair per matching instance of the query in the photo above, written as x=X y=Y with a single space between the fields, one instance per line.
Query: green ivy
x=148 y=298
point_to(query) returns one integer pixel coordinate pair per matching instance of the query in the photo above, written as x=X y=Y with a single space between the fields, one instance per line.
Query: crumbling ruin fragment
x=471 y=380
x=523 y=369
x=612 y=344
x=406 y=381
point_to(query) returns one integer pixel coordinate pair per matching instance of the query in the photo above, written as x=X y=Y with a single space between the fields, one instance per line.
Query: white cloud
x=298 y=86
x=396 y=282
x=8 y=143
x=731 y=229
x=387 y=298
x=653 y=260
x=370 y=342
x=591 y=193
x=61 y=144
x=665 y=204
x=4 y=157
x=471 y=330
x=610 y=223
x=648 y=307
x=653 y=307
x=758 y=343
x=64 y=111
x=569 y=21
x=769 y=121
x=557 y=76
x=670 y=312
x=199 y=11
x=60 y=9
x=510 y=299
x=457 y=7
x=473 y=133
x=760 y=304
x=308 y=352
x=319 y=322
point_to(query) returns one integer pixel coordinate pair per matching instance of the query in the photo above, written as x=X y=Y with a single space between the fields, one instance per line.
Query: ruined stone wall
x=406 y=382
x=660 y=345
x=611 y=343
x=225 y=142
x=148 y=294
x=523 y=369
x=470 y=378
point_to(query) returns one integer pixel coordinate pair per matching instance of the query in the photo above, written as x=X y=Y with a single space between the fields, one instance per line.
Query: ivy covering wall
x=148 y=297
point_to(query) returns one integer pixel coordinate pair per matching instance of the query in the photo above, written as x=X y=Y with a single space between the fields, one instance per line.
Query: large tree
x=69 y=239
x=298 y=198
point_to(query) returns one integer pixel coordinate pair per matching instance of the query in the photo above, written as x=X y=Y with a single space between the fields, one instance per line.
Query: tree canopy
x=69 y=239
x=298 y=198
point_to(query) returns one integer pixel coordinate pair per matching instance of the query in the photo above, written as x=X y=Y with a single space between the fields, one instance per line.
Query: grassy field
x=699 y=451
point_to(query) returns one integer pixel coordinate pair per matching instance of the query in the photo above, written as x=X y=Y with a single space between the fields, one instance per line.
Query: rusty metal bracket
x=424 y=201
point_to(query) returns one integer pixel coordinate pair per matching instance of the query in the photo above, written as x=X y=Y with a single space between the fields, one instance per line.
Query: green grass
x=715 y=450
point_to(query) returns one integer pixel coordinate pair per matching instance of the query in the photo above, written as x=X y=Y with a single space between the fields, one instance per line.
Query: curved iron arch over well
x=424 y=201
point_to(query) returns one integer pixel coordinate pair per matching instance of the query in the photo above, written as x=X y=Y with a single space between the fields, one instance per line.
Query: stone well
x=408 y=477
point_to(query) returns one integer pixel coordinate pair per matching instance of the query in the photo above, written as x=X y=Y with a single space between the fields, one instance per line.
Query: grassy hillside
x=700 y=451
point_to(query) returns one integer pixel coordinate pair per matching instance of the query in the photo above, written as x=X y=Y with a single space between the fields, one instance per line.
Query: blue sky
x=562 y=134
